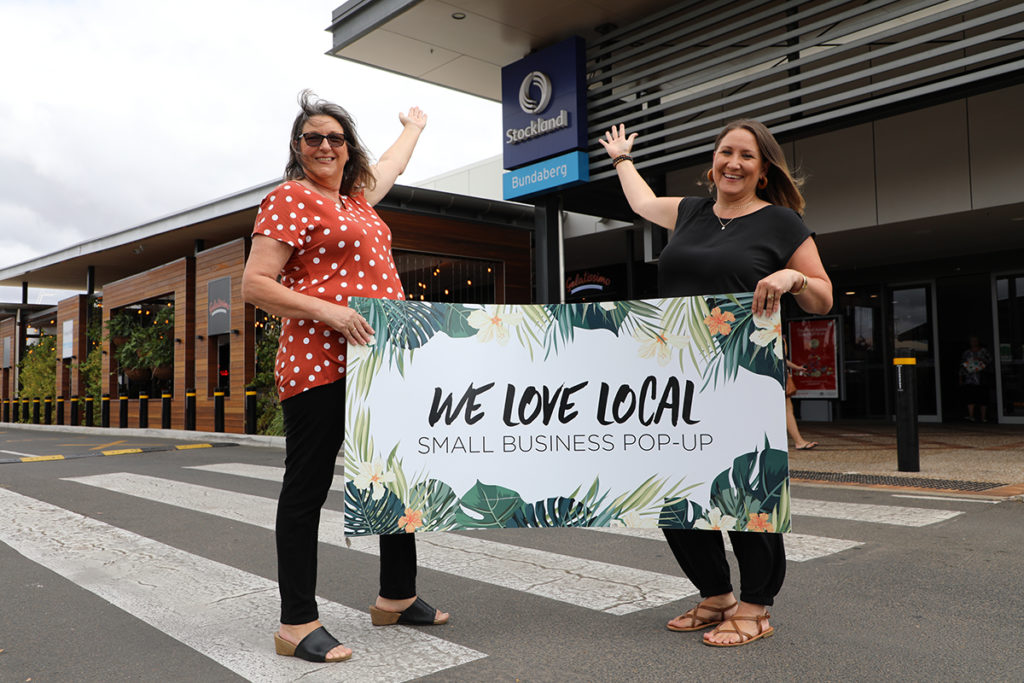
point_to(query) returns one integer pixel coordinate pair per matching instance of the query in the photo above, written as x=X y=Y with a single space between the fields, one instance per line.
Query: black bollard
x=105 y=410
x=24 y=410
x=190 y=409
x=88 y=411
x=35 y=411
x=74 y=411
x=143 y=410
x=907 y=452
x=48 y=410
x=250 y=411
x=165 y=410
x=60 y=410
x=7 y=411
x=218 y=411
x=122 y=412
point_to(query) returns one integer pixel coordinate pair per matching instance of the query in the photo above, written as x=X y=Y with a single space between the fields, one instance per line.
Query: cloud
x=117 y=112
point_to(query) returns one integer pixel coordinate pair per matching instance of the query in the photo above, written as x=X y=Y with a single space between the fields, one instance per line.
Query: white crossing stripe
x=600 y=586
x=225 y=613
x=866 y=512
x=799 y=547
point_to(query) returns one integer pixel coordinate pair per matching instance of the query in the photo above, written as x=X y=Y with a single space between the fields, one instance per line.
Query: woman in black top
x=748 y=236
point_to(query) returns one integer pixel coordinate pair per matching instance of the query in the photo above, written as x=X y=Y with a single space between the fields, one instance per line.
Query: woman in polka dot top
x=316 y=242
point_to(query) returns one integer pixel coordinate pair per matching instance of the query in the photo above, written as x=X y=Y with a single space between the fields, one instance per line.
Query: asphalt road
x=136 y=566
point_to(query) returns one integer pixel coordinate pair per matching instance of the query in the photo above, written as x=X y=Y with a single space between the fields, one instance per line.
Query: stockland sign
x=544 y=115
x=651 y=413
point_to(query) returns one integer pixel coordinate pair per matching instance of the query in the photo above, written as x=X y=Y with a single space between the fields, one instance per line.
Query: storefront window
x=429 y=277
x=914 y=333
x=862 y=348
x=1010 y=347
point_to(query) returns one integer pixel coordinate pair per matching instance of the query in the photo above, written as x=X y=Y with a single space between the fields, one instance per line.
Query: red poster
x=813 y=345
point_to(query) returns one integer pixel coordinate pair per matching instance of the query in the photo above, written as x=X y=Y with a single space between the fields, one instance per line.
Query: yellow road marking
x=100 y=448
x=122 y=451
x=39 y=458
x=188 y=446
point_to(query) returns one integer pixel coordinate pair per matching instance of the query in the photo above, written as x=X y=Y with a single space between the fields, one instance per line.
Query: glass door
x=914 y=331
x=1009 y=354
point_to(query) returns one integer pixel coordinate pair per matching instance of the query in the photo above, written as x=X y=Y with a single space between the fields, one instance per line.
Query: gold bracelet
x=802 y=287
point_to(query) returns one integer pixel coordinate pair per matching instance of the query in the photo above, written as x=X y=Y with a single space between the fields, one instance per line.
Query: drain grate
x=946 y=484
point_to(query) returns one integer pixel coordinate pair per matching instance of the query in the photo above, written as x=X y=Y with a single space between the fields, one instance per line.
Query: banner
x=814 y=345
x=664 y=412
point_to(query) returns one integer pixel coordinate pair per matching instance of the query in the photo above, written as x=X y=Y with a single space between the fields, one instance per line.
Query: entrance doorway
x=913 y=330
x=964 y=310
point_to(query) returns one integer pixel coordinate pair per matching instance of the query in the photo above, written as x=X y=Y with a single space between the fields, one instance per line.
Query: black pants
x=314 y=428
x=761 y=558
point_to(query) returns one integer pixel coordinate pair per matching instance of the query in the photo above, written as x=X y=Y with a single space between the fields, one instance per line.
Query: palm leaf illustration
x=364 y=515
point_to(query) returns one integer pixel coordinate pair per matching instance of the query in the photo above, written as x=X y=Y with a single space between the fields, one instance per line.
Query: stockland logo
x=540 y=81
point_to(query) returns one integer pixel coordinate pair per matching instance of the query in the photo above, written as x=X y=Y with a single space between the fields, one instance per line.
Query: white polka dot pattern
x=326 y=268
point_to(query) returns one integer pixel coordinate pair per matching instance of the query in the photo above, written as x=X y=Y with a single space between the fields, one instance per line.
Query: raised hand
x=615 y=141
x=416 y=117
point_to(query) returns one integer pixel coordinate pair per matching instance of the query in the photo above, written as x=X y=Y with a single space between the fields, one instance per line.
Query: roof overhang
x=425 y=39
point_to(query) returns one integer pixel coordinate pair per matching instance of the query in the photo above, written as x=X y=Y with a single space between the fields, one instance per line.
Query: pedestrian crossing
x=227 y=614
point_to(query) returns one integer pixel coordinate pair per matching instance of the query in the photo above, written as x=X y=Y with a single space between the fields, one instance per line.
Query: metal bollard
x=165 y=410
x=24 y=410
x=143 y=410
x=48 y=410
x=7 y=411
x=218 y=411
x=190 y=409
x=122 y=412
x=907 y=452
x=105 y=410
x=35 y=411
x=250 y=411
x=88 y=411
x=60 y=410
x=74 y=411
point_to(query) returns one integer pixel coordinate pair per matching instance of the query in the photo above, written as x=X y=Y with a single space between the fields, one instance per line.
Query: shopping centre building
x=903 y=118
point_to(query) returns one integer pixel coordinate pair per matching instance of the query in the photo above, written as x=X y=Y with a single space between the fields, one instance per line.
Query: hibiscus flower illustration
x=659 y=346
x=769 y=331
x=718 y=322
x=411 y=520
x=494 y=324
x=715 y=520
x=759 y=522
x=372 y=475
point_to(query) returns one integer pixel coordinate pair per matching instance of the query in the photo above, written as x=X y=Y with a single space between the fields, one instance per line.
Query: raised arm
x=261 y=288
x=658 y=210
x=393 y=162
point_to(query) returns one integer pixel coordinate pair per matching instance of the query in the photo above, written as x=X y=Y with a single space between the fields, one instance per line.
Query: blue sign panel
x=543 y=101
x=544 y=176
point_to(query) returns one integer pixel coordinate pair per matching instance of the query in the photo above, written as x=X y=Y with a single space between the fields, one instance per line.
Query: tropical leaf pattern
x=714 y=336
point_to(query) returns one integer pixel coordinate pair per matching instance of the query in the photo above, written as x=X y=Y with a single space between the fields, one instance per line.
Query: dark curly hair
x=357 y=176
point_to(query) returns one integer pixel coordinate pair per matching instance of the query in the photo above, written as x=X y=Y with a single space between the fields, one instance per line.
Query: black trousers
x=314 y=428
x=761 y=558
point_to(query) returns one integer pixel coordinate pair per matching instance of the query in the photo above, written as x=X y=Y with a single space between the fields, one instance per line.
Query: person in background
x=974 y=374
x=316 y=242
x=799 y=442
x=748 y=236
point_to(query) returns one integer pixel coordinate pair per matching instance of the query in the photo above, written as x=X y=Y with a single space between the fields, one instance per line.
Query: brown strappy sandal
x=745 y=637
x=699 y=623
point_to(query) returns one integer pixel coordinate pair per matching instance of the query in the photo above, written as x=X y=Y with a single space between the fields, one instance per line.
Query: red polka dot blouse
x=338 y=251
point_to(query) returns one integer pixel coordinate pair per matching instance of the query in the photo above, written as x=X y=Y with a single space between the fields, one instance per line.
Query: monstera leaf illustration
x=487 y=506
x=438 y=503
x=364 y=515
x=763 y=474
x=552 y=512
x=680 y=514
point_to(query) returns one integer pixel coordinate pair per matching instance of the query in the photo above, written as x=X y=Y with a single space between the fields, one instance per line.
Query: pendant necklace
x=731 y=219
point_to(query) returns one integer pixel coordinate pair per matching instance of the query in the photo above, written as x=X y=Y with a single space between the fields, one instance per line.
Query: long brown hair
x=782 y=188
x=357 y=175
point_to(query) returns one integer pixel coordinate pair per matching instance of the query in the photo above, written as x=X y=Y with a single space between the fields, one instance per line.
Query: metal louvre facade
x=680 y=74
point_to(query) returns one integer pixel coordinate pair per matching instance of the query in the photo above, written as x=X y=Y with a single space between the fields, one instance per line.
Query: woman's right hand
x=352 y=326
x=615 y=141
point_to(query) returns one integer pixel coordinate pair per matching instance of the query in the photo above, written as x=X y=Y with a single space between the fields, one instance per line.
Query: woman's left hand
x=416 y=117
x=769 y=291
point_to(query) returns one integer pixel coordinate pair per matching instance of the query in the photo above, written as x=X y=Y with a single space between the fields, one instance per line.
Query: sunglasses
x=316 y=139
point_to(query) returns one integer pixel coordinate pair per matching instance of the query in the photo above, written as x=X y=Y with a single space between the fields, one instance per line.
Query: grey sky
x=116 y=112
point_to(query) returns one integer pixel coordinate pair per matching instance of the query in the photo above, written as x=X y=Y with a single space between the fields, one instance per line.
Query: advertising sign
x=218 y=305
x=814 y=345
x=67 y=339
x=662 y=412
x=543 y=104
